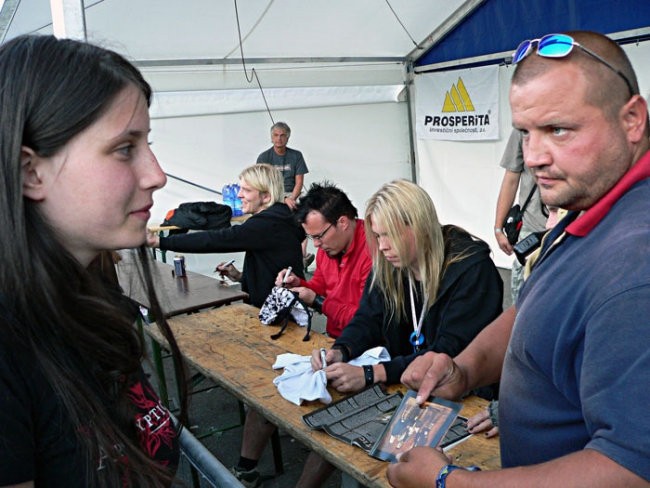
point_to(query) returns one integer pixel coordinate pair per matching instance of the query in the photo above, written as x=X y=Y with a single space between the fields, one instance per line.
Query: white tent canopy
x=339 y=72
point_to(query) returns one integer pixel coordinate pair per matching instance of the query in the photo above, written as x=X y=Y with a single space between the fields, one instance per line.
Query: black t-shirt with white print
x=37 y=440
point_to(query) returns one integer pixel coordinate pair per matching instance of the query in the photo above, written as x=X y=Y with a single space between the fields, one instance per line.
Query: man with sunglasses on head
x=343 y=263
x=574 y=365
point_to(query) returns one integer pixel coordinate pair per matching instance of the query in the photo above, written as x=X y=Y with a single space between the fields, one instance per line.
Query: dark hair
x=69 y=317
x=327 y=199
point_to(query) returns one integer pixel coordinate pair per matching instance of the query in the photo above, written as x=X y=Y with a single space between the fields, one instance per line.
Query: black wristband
x=345 y=352
x=317 y=304
x=369 y=374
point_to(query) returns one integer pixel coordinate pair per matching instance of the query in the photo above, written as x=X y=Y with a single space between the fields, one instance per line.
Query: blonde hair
x=265 y=178
x=401 y=205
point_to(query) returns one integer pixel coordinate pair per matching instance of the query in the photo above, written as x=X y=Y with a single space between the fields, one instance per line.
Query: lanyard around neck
x=416 y=339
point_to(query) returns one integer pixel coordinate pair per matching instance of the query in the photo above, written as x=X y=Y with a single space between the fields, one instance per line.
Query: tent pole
x=408 y=83
x=68 y=19
x=7 y=11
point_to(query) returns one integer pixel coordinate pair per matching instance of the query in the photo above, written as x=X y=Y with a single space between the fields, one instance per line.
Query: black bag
x=199 y=216
x=514 y=219
x=282 y=305
x=512 y=224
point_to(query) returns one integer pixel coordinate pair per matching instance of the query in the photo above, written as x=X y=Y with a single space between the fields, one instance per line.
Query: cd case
x=385 y=425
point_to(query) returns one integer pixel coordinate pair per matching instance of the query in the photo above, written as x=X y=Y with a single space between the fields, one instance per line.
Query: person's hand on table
x=229 y=270
x=417 y=468
x=345 y=378
x=434 y=373
x=486 y=420
x=153 y=240
x=291 y=281
x=307 y=295
x=332 y=356
x=482 y=422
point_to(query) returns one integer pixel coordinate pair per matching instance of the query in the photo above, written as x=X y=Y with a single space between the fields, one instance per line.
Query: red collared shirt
x=590 y=218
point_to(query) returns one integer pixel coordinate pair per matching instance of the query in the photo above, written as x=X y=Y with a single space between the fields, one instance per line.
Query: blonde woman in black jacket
x=432 y=288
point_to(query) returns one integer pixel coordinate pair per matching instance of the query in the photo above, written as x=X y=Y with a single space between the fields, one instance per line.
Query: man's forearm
x=297 y=188
x=482 y=360
x=583 y=468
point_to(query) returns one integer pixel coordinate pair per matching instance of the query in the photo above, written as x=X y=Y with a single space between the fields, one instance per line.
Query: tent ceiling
x=493 y=30
x=205 y=31
x=296 y=33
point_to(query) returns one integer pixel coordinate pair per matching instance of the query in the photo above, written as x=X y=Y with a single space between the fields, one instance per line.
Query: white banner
x=458 y=105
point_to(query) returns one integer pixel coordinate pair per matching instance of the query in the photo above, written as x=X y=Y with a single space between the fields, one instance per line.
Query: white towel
x=299 y=382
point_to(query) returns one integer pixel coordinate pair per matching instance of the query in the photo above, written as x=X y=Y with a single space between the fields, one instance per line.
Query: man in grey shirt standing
x=517 y=175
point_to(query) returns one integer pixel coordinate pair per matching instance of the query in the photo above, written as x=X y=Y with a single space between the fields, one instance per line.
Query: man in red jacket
x=342 y=266
x=342 y=261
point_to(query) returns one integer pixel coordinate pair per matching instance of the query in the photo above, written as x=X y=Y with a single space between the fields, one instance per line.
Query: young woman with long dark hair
x=77 y=181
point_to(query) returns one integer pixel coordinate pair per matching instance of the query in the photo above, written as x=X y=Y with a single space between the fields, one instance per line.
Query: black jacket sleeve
x=470 y=298
x=256 y=233
x=364 y=331
x=474 y=300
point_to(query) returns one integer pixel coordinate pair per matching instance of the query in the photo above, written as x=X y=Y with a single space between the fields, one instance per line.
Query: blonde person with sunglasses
x=572 y=354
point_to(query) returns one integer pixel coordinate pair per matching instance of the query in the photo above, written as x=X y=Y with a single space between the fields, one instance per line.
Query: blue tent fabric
x=500 y=25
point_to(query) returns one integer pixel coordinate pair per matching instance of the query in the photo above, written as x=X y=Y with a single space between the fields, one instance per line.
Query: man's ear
x=343 y=222
x=635 y=118
x=33 y=184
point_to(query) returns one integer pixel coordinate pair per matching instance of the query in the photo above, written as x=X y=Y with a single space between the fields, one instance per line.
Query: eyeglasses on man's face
x=319 y=237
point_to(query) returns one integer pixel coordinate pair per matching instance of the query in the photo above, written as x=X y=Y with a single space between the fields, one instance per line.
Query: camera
x=526 y=246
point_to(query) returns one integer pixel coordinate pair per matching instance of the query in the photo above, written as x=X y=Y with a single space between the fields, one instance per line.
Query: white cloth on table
x=299 y=382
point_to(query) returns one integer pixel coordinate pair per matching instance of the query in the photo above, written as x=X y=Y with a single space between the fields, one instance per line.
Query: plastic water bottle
x=237 y=210
x=227 y=196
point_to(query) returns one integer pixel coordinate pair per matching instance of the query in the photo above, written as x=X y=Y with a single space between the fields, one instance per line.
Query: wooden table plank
x=232 y=347
x=177 y=295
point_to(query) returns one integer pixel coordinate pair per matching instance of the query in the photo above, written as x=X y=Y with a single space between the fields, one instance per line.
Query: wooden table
x=177 y=295
x=232 y=347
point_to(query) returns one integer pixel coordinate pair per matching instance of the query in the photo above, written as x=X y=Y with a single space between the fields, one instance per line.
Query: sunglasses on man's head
x=560 y=46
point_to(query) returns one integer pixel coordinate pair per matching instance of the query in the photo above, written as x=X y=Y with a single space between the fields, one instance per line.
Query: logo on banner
x=458 y=105
x=457 y=99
